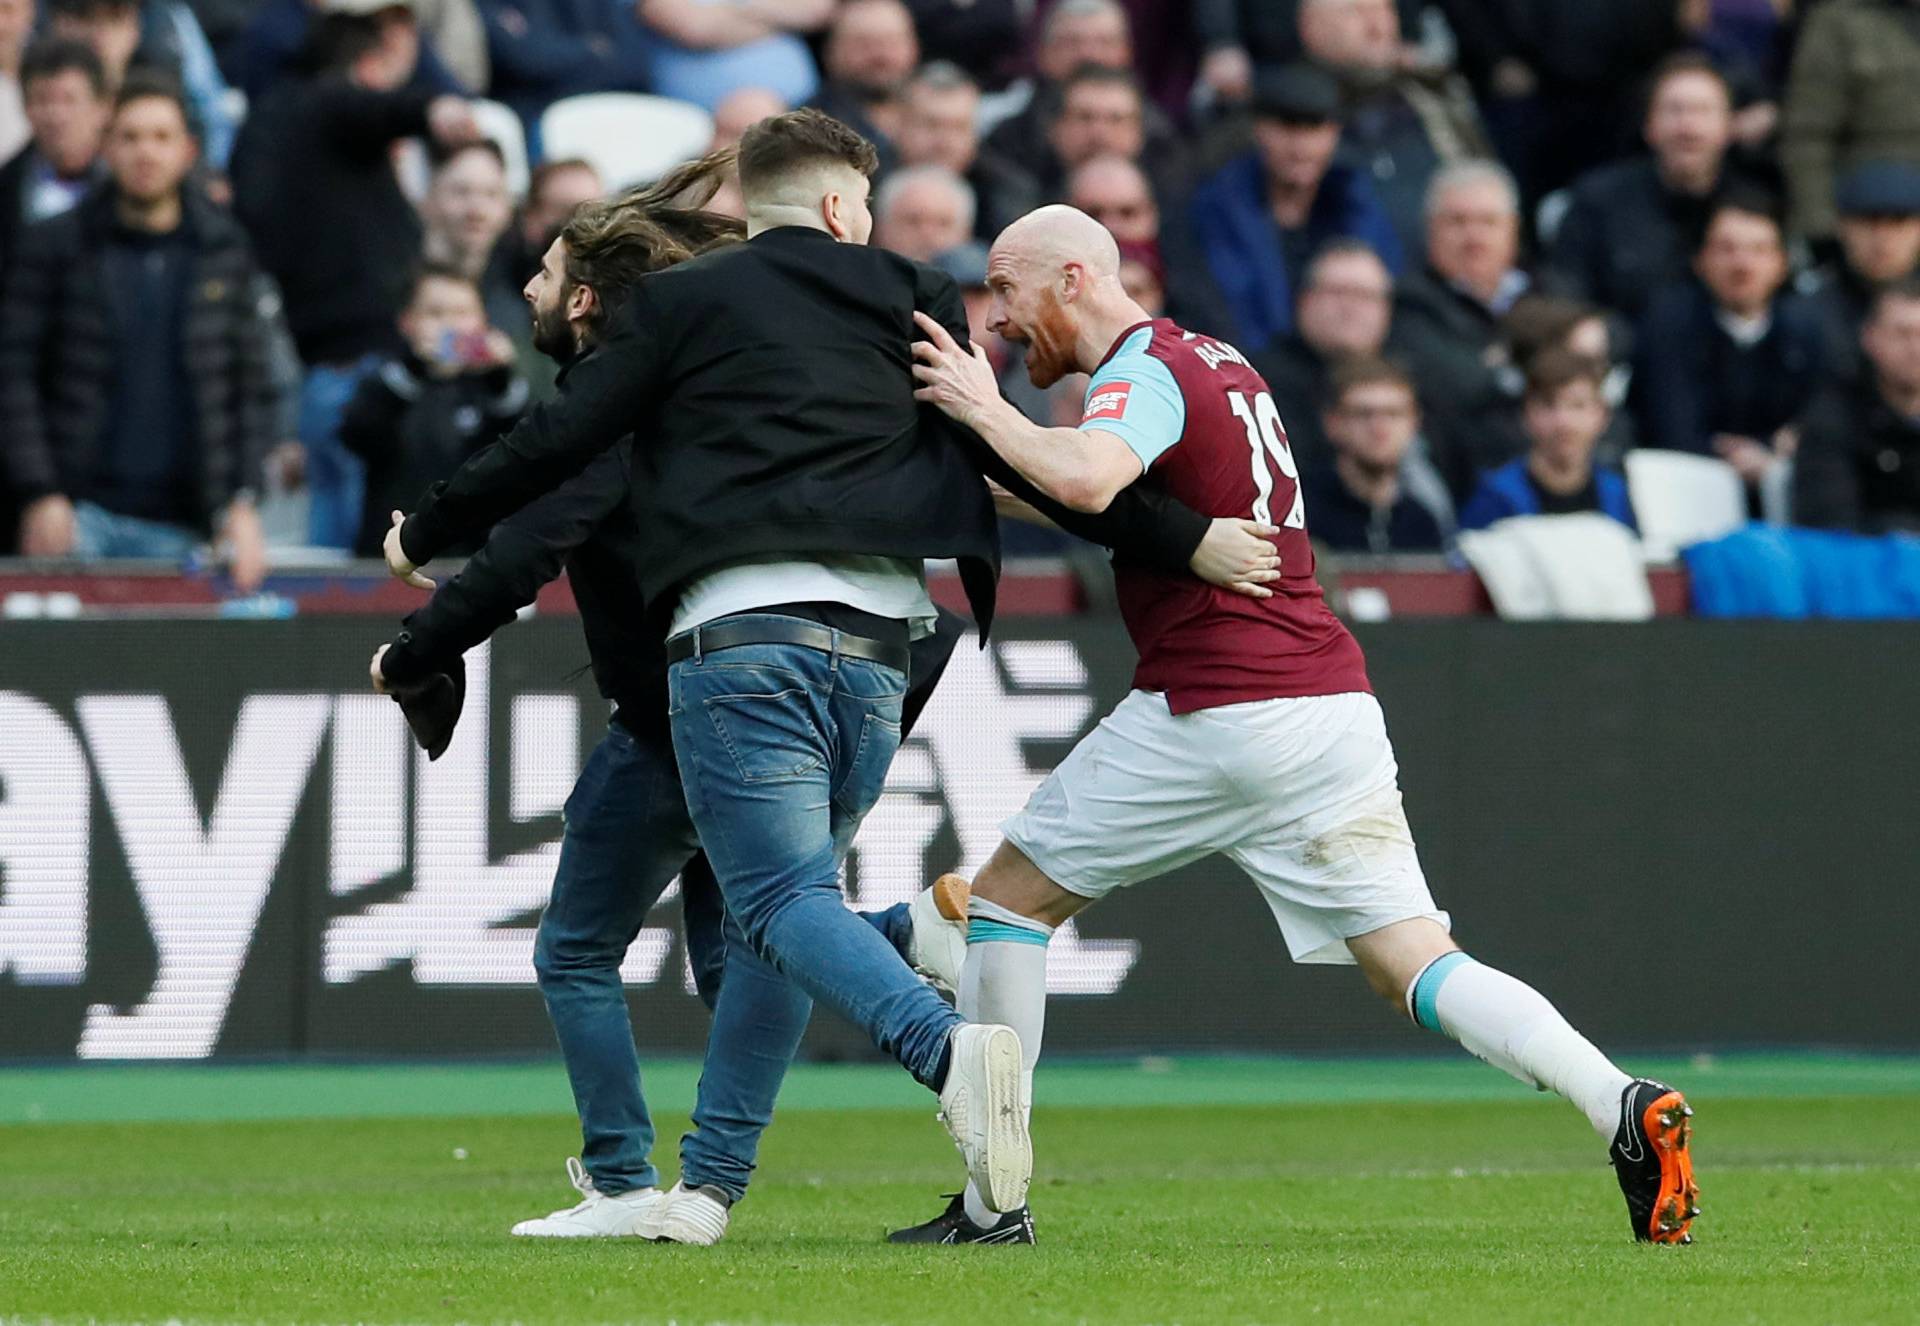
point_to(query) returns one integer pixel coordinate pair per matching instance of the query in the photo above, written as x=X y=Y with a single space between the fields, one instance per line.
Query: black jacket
x=58 y=337
x=1626 y=236
x=1858 y=467
x=1693 y=381
x=1451 y=344
x=414 y=429
x=773 y=384
x=313 y=181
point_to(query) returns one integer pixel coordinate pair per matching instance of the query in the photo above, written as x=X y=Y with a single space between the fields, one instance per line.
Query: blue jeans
x=98 y=532
x=336 y=478
x=782 y=752
x=627 y=836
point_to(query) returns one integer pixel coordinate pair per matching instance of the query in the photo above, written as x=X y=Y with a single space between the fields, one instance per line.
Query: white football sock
x=1512 y=1026
x=1004 y=980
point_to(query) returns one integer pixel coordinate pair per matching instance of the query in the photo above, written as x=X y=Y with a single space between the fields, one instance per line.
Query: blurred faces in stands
x=1473 y=227
x=923 y=211
x=445 y=321
x=149 y=151
x=1891 y=339
x=467 y=207
x=1143 y=284
x=1743 y=259
x=938 y=122
x=1114 y=191
x=110 y=27
x=1879 y=205
x=390 y=63
x=1084 y=32
x=1565 y=414
x=67 y=105
x=1690 y=124
x=872 y=47
x=1101 y=114
x=1346 y=305
x=556 y=188
x=1352 y=36
x=1372 y=418
x=16 y=26
x=1295 y=153
x=740 y=110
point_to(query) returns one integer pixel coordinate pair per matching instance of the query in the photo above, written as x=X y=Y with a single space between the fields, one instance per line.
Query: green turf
x=1348 y=1209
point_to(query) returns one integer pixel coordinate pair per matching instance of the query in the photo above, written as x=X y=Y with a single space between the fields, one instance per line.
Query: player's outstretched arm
x=604 y=395
x=1080 y=468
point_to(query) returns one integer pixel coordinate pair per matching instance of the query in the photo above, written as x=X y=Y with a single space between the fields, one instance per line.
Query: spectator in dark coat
x=1728 y=361
x=1858 y=467
x=871 y=52
x=1631 y=227
x=1102 y=112
x=1262 y=217
x=543 y=50
x=1360 y=503
x=1401 y=124
x=977 y=35
x=1566 y=412
x=135 y=396
x=1448 y=319
x=939 y=117
x=1879 y=205
x=314 y=183
x=67 y=106
x=420 y=415
x=1344 y=311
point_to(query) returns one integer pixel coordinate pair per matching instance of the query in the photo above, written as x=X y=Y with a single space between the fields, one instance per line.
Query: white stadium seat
x=1680 y=498
x=501 y=125
x=629 y=138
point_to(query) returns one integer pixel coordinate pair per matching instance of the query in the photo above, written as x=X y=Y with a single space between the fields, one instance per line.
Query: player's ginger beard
x=1052 y=336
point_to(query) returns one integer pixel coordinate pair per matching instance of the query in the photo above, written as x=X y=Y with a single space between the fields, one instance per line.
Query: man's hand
x=397 y=562
x=1229 y=72
x=246 y=546
x=373 y=670
x=450 y=121
x=959 y=381
x=1238 y=555
x=1750 y=457
x=46 y=527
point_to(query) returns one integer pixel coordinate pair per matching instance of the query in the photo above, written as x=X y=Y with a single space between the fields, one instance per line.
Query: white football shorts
x=1302 y=794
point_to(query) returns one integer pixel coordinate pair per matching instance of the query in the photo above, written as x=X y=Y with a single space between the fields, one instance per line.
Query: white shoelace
x=577 y=1175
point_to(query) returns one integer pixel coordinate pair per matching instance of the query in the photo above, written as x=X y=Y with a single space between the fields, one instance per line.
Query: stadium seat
x=1584 y=567
x=500 y=124
x=1680 y=498
x=629 y=138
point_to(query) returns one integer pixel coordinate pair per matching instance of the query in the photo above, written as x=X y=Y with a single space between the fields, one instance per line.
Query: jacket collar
x=780 y=236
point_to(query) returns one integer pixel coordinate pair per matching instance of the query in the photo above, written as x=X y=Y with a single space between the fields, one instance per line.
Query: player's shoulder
x=1181 y=349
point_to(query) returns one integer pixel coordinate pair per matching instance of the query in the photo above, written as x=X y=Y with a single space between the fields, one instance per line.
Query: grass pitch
x=1267 y=1191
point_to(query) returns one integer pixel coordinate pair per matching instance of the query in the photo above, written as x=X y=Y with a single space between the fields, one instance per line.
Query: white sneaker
x=599 y=1215
x=982 y=1107
x=939 y=943
x=691 y=1215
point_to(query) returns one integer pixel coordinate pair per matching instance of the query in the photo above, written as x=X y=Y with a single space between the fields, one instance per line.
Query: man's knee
x=1393 y=956
x=558 y=956
x=1011 y=880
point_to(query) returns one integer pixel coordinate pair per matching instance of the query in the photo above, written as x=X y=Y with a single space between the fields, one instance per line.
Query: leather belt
x=720 y=635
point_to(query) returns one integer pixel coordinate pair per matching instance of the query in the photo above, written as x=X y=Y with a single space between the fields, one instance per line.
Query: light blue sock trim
x=1426 y=988
x=999 y=932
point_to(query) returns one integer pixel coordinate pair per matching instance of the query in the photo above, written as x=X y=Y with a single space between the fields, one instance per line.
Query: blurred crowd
x=262 y=260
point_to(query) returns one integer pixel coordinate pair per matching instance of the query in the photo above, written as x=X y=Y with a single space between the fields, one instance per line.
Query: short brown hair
x=153 y=85
x=780 y=144
x=611 y=243
x=1557 y=367
x=1364 y=371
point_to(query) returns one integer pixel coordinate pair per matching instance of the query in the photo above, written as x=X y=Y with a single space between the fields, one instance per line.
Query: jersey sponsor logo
x=1108 y=403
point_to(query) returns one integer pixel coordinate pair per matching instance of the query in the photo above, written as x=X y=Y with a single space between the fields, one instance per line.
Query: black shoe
x=1652 y=1156
x=953 y=1226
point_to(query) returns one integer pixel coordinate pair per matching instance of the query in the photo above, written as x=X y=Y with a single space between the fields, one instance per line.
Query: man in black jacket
x=135 y=395
x=627 y=833
x=1859 y=462
x=790 y=490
